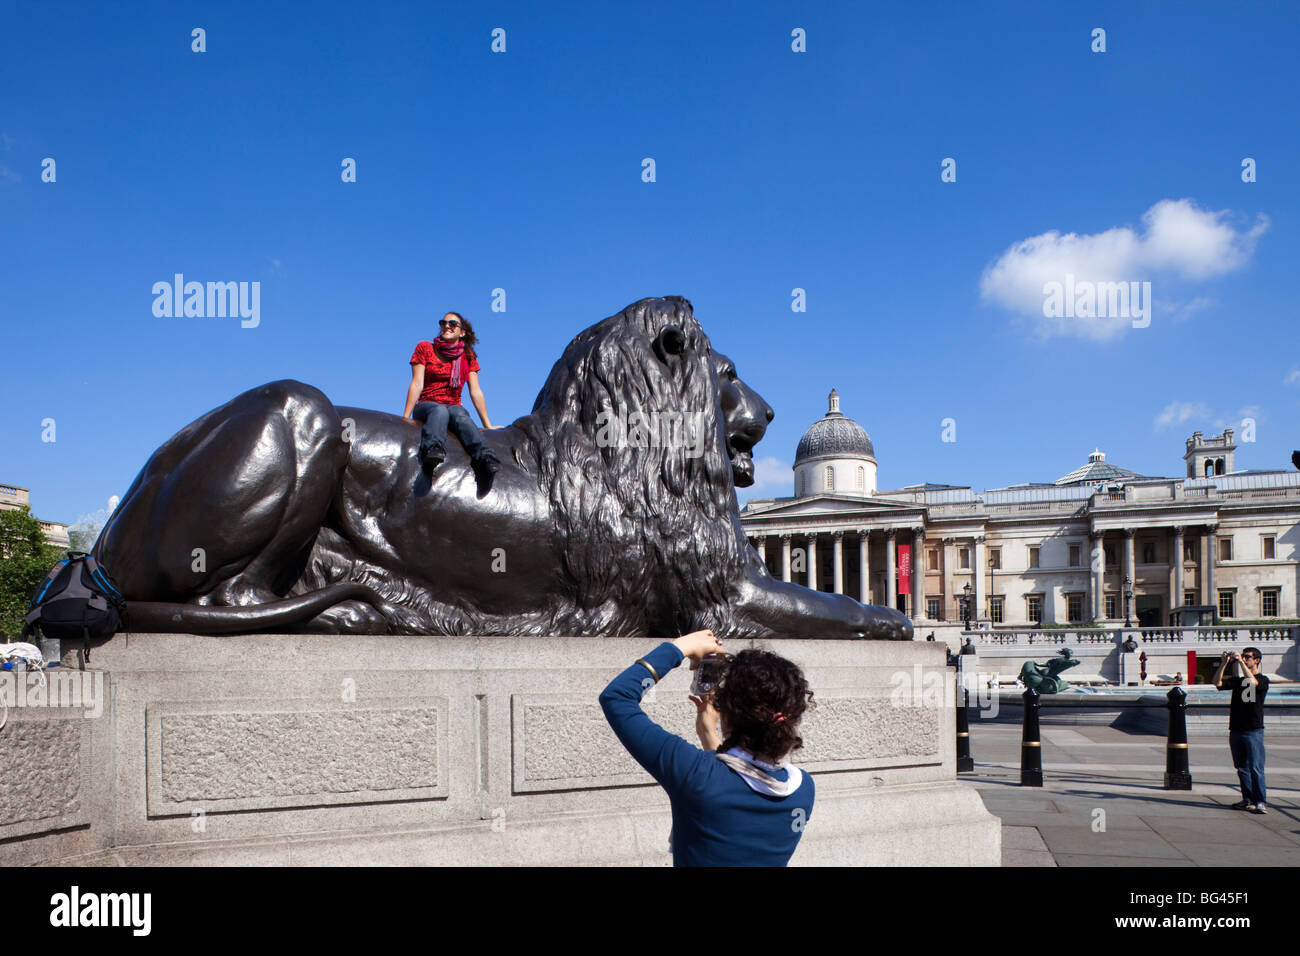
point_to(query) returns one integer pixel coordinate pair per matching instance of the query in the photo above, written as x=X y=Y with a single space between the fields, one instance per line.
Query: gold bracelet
x=647 y=666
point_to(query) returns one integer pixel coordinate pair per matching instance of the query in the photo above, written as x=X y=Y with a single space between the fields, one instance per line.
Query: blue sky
x=775 y=170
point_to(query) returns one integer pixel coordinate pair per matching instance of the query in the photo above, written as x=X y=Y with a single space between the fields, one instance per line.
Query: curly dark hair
x=761 y=699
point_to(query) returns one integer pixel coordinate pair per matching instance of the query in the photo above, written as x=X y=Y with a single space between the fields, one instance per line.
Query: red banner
x=904 y=569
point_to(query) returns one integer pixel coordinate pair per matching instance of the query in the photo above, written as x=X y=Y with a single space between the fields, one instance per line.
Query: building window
x=932 y=610
x=1189 y=551
x=1034 y=604
x=1148 y=552
x=995 y=609
x=932 y=559
x=1033 y=557
x=963 y=558
x=1076 y=555
x=1110 y=555
x=1225 y=549
x=862 y=478
x=1189 y=598
x=1268 y=602
x=830 y=478
x=1112 y=602
x=1270 y=547
x=1075 y=602
x=995 y=559
x=1227 y=602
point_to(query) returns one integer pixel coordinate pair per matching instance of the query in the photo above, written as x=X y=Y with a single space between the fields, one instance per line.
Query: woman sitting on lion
x=439 y=370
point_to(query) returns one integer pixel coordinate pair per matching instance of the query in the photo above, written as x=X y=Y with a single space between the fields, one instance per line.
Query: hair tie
x=778 y=717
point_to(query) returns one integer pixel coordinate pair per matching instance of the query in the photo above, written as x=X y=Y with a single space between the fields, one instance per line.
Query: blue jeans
x=1248 y=757
x=436 y=417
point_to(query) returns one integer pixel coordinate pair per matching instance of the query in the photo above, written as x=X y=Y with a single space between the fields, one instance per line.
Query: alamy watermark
x=213 y=300
x=651 y=429
x=1086 y=299
x=57 y=688
x=938 y=688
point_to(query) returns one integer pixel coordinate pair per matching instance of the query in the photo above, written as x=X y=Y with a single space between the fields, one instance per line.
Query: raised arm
x=1224 y=660
x=476 y=396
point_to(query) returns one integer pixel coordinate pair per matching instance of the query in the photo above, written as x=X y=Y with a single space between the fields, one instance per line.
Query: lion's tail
x=159 y=616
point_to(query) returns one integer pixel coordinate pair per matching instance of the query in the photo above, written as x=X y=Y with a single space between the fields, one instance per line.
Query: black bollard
x=1031 y=748
x=1178 y=773
x=965 y=762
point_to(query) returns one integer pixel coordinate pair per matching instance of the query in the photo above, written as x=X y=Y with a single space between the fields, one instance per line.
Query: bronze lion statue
x=613 y=513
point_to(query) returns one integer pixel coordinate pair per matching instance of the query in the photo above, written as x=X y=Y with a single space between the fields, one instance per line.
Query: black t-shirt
x=1245 y=714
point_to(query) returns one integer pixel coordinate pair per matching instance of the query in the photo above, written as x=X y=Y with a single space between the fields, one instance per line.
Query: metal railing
x=1058 y=637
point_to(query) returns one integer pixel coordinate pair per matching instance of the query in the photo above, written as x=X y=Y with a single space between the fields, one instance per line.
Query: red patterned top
x=437 y=375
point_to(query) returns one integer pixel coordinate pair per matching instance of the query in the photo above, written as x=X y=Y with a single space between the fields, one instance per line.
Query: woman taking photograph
x=439 y=370
x=737 y=802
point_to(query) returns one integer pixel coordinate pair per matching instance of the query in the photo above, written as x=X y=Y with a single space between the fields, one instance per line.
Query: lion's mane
x=652 y=537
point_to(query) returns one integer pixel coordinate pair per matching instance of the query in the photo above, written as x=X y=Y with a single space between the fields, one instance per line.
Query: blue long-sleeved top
x=718 y=820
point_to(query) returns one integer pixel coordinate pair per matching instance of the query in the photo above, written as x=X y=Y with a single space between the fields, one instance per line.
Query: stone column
x=864 y=567
x=978 y=595
x=1211 y=556
x=1130 y=572
x=918 y=575
x=812 y=561
x=950 y=604
x=891 y=567
x=762 y=548
x=785 y=557
x=1177 y=557
x=837 y=552
x=1097 y=575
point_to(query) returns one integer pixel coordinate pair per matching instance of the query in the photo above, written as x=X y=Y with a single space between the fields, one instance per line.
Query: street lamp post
x=965 y=604
x=1128 y=598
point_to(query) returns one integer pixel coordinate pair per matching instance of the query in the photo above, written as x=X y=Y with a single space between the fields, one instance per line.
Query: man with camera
x=1246 y=722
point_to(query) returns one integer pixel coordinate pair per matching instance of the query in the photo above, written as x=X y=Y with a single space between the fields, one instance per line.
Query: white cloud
x=1178 y=241
x=1176 y=413
x=1293 y=378
x=771 y=475
x=9 y=175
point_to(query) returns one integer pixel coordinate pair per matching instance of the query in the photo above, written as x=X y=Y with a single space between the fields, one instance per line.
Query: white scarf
x=758 y=774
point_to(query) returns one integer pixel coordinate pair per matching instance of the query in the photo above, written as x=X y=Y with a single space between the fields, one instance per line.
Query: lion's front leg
x=771 y=608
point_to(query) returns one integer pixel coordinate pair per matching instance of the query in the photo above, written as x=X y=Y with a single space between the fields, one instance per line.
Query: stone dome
x=834 y=436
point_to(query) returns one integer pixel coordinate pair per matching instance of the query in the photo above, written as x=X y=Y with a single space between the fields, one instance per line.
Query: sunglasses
x=443 y=323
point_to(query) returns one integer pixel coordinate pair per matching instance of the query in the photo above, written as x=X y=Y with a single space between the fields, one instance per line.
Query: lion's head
x=642 y=433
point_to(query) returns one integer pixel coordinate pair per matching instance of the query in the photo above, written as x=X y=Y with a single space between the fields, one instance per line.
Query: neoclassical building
x=56 y=533
x=1099 y=543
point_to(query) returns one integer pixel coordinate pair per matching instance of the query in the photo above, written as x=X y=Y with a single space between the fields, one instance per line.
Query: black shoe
x=1243 y=805
x=432 y=459
x=486 y=466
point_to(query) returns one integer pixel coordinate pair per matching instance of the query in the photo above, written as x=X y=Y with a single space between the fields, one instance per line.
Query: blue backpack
x=76 y=599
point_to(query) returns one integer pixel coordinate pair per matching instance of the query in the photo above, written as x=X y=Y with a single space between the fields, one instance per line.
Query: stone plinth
x=452 y=751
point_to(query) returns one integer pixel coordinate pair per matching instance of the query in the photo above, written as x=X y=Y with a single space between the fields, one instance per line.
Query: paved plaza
x=1103 y=802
